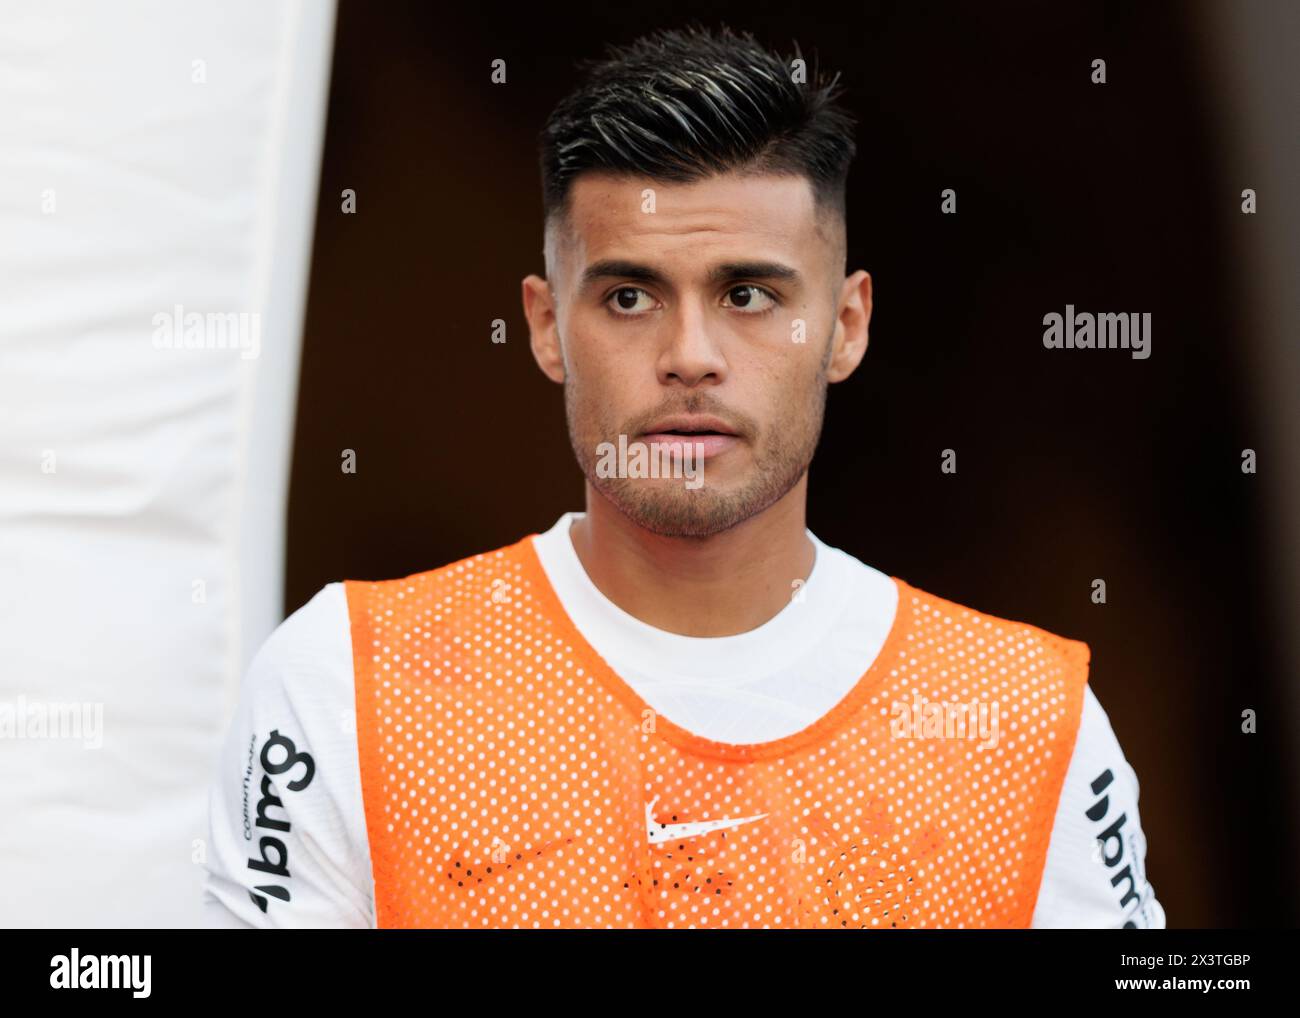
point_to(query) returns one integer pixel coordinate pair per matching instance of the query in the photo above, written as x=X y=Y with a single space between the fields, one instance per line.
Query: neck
x=721 y=585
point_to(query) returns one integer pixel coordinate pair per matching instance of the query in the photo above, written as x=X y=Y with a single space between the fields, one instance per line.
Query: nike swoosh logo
x=656 y=832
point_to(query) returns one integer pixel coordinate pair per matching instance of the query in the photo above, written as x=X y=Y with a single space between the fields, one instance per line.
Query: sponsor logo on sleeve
x=272 y=858
x=1132 y=892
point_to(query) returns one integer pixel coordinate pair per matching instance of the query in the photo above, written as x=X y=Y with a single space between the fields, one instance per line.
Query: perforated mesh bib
x=511 y=779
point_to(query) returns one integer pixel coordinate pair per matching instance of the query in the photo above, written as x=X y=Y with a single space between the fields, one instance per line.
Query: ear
x=543 y=330
x=849 y=341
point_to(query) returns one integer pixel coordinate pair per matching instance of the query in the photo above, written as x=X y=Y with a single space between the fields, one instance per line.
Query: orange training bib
x=511 y=779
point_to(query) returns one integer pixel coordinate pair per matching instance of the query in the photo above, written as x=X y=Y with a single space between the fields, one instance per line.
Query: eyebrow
x=723 y=273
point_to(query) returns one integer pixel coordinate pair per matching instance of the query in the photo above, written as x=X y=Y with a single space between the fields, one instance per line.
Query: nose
x=691 y=354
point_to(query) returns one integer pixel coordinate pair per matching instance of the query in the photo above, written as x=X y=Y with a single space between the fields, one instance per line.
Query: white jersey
x=298 y=697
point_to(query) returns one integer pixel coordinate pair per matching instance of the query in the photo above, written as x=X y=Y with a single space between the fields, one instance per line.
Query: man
x=678 y=708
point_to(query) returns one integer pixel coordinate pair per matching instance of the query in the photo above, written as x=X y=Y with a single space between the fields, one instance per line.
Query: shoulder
x=431 y=596
x=314 y=634
x=301 y=677
x=937 y=621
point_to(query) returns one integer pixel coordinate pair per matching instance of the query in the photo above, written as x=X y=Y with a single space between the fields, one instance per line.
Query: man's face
x=720 y=303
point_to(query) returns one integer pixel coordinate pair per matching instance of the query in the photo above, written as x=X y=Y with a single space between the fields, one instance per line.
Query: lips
x=702 y=445
x=705 y=435
x=691 y=424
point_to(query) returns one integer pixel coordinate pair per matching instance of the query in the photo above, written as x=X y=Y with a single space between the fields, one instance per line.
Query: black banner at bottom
x=677 y=969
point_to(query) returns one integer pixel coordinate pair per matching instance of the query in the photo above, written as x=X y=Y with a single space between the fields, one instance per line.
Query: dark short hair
x=684 y=104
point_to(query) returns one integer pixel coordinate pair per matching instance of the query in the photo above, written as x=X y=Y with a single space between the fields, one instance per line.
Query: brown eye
x=625 y=299
x=750 y=298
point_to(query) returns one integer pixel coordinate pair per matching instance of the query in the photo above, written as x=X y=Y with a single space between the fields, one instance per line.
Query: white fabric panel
x=142 y=488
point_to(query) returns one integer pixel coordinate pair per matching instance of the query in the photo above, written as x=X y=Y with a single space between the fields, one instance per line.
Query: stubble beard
x=665 y=506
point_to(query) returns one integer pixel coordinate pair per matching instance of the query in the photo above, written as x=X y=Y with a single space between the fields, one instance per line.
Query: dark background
x=1072 y=465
